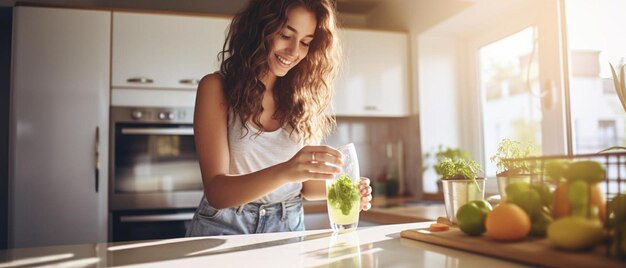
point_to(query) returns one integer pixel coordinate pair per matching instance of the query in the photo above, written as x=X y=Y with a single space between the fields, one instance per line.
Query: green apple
x=516 y=187
x=471 y=216
x=578 y=193
x=545 y=193
x=555 y=169
x=589 y=171
x=529 y=200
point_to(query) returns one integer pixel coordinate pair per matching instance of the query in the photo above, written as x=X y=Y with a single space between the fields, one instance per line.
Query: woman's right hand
x=318 y=162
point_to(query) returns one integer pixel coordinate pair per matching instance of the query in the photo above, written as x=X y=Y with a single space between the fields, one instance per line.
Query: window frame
x=555 y=115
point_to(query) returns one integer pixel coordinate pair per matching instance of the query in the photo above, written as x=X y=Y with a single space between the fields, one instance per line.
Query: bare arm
x=229 y=190
x=314 y=190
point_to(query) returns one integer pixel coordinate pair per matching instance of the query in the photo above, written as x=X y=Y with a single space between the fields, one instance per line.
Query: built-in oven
x=155 y=181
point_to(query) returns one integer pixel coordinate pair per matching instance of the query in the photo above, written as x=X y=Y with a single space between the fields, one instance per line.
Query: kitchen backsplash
x=371 y=136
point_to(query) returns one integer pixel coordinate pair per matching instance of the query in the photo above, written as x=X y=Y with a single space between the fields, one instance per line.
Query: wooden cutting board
x=530 y=251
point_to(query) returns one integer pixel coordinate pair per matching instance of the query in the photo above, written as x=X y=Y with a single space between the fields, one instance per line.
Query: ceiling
x=357 y=6
x=229 y=7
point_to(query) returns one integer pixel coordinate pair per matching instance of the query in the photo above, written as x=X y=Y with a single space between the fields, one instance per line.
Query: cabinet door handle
x=97 y=165
x=370 y=108
x=157 y=131
x=189 y=81
x=140 y=80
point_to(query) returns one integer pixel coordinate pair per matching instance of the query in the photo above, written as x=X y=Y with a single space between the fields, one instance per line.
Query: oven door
x=155 y=166
x=150 y=224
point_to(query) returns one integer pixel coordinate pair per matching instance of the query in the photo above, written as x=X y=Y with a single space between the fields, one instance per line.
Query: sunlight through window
x=511 y=102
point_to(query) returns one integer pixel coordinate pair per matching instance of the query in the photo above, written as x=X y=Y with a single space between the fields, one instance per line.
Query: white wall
x=439 y=100
x=434 y=64
x=414 y=17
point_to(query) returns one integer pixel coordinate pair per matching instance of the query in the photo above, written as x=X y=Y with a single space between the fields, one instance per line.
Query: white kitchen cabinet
x=58 y=128
x=374 y=80
x=164 y=51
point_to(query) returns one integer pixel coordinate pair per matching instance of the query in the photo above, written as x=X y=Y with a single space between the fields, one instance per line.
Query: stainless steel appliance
x=155 y=181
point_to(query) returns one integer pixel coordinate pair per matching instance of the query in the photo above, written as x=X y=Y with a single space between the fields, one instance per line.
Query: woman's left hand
x=366 y=193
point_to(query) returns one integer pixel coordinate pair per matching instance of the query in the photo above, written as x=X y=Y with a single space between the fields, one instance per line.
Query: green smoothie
x=343 y=201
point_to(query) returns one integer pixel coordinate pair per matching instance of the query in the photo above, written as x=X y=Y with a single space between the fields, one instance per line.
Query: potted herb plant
x=509 y=170
x=461 y=184
x=442 y=154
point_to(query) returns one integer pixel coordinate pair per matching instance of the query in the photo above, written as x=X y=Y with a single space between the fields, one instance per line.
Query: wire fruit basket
x=591 y=186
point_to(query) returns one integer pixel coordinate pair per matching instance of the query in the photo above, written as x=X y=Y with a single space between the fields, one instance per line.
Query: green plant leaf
x=451 y=153
x=623 y=90
x=620 y=91
x=455 y=168
x=612 y=148
x=507 y=153
x=342 y=194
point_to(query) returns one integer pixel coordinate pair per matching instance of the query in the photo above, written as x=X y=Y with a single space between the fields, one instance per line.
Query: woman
x=257 y=120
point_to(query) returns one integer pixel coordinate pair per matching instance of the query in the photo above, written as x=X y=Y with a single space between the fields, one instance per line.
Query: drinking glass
x=342 y=192
x=344 y=250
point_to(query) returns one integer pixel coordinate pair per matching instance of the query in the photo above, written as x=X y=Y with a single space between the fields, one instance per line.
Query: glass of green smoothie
x=342 y=192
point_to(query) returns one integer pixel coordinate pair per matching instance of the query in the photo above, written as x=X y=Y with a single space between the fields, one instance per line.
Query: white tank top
x=254 y=152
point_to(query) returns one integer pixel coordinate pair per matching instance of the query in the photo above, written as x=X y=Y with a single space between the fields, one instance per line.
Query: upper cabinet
x=164 y=51
x=175 y=52
x=374 y=77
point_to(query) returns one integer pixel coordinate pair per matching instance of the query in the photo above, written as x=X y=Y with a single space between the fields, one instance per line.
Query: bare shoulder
x=212 y=82
x=211 y=90
x=214 y=79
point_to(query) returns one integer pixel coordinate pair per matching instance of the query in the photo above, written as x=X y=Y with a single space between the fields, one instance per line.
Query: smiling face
x=291 y=43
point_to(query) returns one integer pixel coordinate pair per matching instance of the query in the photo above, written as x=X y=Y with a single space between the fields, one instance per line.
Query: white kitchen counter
x=378 y=246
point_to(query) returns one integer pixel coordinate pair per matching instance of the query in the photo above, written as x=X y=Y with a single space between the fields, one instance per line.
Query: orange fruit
x=597 y=199
x=560 y=204
x=507 y=222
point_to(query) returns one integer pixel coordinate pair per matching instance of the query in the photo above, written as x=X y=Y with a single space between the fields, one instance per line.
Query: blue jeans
x=247 y=219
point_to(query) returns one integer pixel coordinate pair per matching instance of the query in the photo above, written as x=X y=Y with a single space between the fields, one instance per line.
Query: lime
x=517 y=187
x=589 y=171
x=471 y=217
x=529 y=200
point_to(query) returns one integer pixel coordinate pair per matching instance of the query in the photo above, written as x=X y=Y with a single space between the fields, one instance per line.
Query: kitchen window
x=516 y=77
x=508 y=74
x=607 y=133
x=530 y=70
x=510 y=92
x=594 y=39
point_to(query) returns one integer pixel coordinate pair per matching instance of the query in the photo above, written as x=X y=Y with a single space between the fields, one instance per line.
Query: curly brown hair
x=303 y=95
